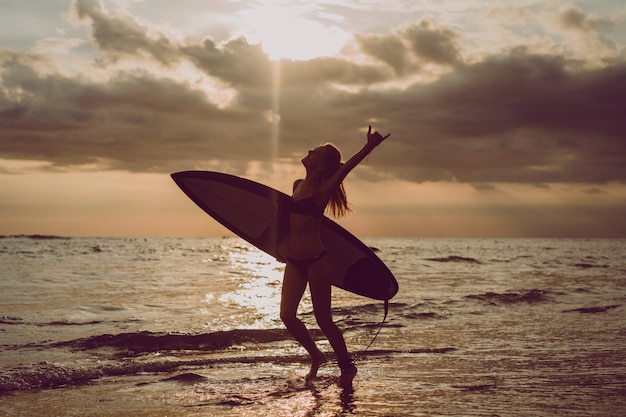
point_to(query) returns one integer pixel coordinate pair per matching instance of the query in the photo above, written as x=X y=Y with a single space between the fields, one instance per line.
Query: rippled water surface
x=189 y=327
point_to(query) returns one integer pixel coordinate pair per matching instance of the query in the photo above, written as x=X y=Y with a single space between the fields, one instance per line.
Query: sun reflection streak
x=259 y=294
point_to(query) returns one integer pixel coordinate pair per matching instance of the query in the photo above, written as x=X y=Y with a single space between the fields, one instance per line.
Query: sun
x=285 y=32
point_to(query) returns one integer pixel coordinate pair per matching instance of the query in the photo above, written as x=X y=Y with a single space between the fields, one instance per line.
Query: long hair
x=338 y=203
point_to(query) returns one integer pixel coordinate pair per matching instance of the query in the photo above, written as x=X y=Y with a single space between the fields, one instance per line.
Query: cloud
x=590 y=29
x=388 y=49
x=412 y=46
x=520 y=116
x=434 y=42
x=120 y=34
x=133 y=121
x=514 y=114
x=573 y=17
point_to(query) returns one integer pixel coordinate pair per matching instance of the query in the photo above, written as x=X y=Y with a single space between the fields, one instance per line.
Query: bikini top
x=307 y=207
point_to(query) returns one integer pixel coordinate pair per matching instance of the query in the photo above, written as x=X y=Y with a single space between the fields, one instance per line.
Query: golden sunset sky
x=507 y=118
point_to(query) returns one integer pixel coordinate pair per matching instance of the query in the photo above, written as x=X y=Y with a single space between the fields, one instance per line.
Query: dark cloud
x=433 y=42
x=120 y=35
x=426 y=42
x=135 y=121
x=522 y=117
x=592 y=28
x=237 y=63
x=515 y=115
x=573 y=17
x=388 y=49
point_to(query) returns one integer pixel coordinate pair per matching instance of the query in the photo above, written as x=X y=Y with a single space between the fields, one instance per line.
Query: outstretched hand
x=375 y=139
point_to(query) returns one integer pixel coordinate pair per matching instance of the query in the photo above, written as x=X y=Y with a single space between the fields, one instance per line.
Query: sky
x=507 y=118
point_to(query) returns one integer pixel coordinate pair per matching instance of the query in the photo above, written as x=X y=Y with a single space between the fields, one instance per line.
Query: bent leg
x=320 y=287
x=293 y=288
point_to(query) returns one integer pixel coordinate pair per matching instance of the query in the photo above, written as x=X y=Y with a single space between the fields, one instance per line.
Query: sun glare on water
x=285 y=33
x=260 y=276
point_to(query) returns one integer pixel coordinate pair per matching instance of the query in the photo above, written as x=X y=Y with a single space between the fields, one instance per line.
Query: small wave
x=479 y=387
x=49 y=375
x=592 y=310
x=454 y=258
x=509 y=260
x=11 y=320
x=146 y=342
x=35 y=237
x=186 y=378
x=424 y=351
x=423 y=316
x=363 y=309
x=46 y=375
x=19 y=321
x=494 y=298
x=70 y=323
x=370 y=315
x=584 y=265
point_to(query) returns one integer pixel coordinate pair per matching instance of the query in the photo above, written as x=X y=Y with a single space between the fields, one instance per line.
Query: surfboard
x=259 y=214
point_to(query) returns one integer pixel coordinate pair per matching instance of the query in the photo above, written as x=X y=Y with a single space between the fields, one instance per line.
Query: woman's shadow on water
x=322 y=394
x=326 y=392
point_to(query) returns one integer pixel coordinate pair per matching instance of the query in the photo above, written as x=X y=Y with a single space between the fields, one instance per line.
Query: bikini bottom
x=302 y=265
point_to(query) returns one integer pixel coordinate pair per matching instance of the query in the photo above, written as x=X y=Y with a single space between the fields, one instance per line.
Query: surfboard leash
x=361 y=355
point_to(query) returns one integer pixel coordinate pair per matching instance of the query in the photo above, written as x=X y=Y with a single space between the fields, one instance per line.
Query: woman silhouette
x=305 y=255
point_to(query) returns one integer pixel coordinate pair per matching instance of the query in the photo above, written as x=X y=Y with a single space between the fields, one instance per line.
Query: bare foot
x=316 y=362
x=347 y=375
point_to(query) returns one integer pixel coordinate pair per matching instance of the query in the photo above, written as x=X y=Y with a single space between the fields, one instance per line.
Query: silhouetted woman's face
x=316 y=158
x=326 y=158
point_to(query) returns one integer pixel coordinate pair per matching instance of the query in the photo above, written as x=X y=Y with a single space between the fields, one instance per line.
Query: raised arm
x=373 y=140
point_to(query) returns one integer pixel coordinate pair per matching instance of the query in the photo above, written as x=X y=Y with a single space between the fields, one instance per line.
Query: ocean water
x=190 y=327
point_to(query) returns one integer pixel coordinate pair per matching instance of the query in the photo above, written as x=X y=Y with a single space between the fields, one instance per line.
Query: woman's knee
x=288 y=318
x=324 y=320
